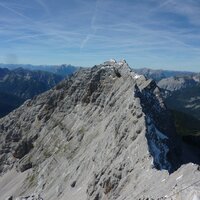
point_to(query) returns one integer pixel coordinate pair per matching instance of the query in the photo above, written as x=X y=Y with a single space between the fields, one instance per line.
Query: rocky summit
x=102 y=134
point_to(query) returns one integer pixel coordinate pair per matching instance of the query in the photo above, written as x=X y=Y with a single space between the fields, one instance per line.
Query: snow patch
x=120 y=63
x=106 y=67
x=137 y=76
x=157 y=146
x=153 y=128
x=156 y=151
x=160 y=134
x=112 y=60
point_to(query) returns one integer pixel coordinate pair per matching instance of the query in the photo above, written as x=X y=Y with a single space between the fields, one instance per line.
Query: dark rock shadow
x=169 y=151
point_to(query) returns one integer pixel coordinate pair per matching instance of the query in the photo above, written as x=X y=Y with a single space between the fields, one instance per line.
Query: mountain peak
x=103 y=133
x=121 y=68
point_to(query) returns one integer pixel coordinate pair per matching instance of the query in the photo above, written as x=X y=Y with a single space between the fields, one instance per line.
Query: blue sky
x=147 y=33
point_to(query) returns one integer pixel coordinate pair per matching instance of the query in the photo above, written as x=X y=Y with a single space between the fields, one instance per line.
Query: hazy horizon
x=133 y=67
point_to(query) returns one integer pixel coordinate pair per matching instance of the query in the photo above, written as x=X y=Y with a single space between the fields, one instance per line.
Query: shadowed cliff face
x=101 y=134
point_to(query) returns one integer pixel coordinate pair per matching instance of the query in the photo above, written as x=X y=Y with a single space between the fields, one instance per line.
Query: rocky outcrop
x=104 y=133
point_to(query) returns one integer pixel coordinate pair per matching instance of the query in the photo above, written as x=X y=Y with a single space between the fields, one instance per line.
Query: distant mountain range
x=62 y=70
x=181 y=92
x=158 y=74
x=20 y=84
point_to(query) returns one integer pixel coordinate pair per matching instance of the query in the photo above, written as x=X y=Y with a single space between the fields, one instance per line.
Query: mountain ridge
x=104 y=133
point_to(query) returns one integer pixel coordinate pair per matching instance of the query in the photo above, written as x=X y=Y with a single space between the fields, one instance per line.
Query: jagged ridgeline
x=102 y=134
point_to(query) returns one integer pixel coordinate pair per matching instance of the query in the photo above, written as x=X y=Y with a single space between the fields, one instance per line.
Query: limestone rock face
x=104 y=133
